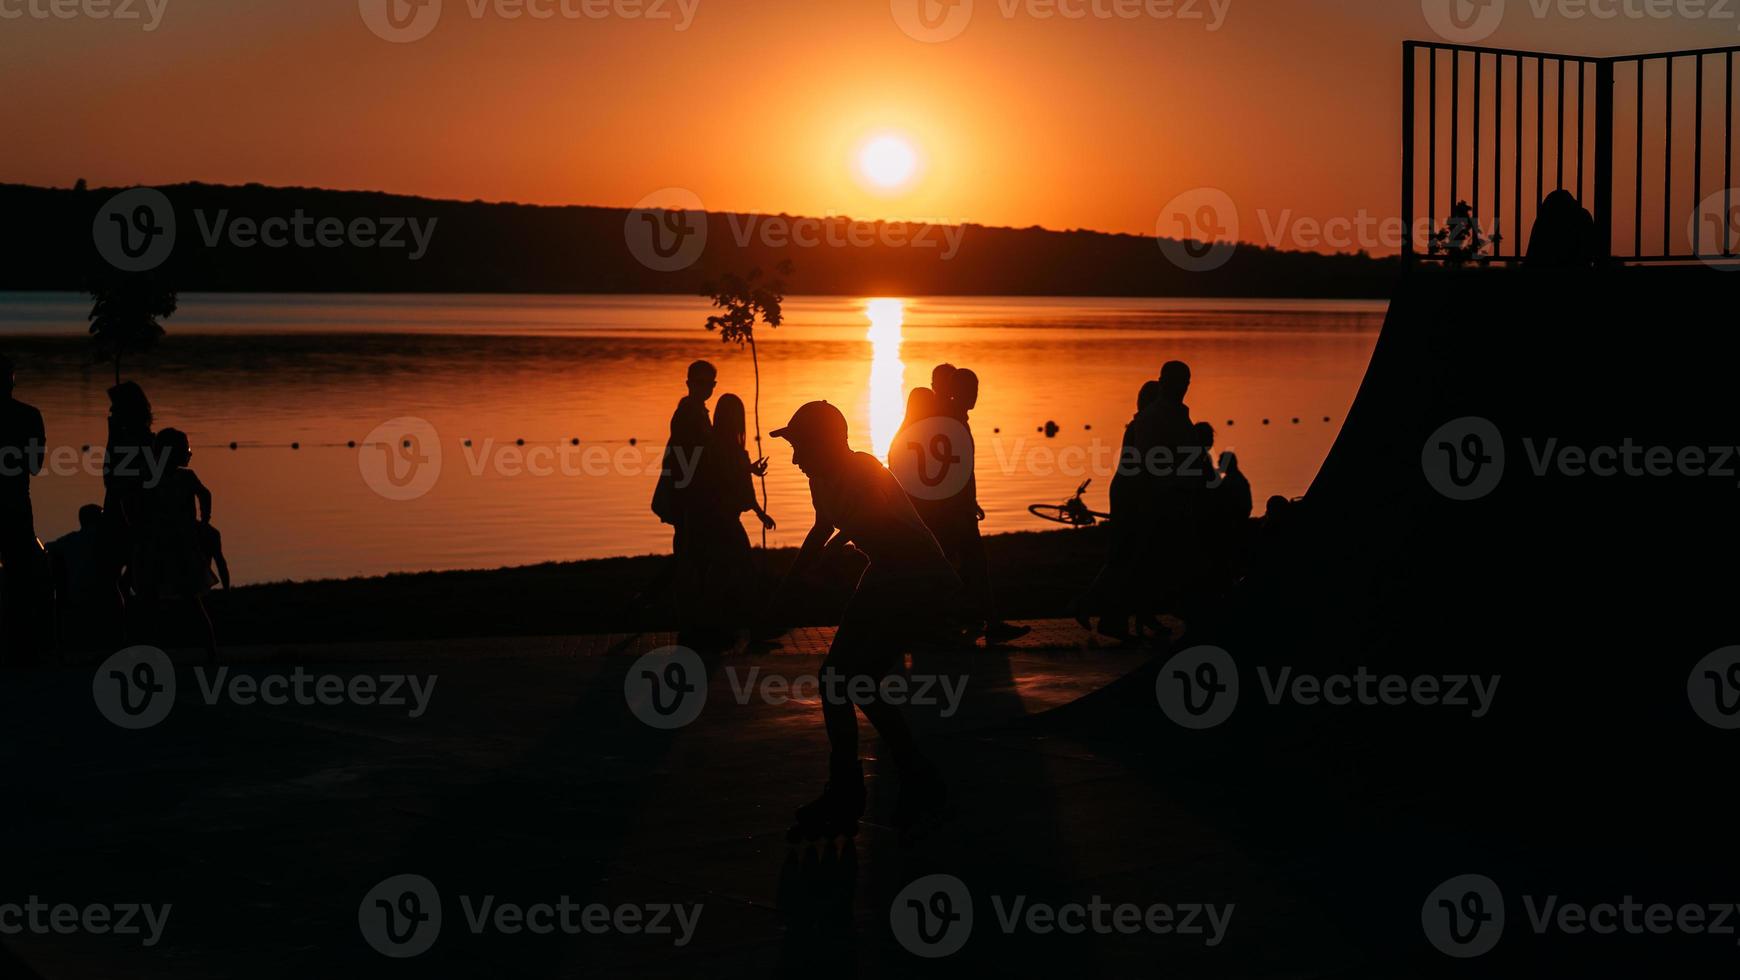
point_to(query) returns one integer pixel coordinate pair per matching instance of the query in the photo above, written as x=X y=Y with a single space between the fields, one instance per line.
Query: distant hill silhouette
x=482 y=247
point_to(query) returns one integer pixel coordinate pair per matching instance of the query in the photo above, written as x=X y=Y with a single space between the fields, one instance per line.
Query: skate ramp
x=1549 y=574
x=1591 y=599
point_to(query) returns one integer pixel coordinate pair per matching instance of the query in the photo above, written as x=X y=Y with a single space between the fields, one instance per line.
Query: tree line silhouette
x=490 y=247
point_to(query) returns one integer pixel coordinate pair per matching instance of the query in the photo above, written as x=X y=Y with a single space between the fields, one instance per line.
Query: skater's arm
x=813 y=548
x=800 y=566
x=833 y=548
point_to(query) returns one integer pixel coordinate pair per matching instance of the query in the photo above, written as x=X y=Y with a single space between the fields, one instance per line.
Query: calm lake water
x=266 y=371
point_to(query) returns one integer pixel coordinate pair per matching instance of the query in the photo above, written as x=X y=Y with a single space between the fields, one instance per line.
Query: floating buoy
x=296 y=445
x=1229 y=423
x=1325 y=418
x=1265 y=421
x=468 y=442
x=633 y=441
x=351 y=444
x=519 y=442
x=1295 y=421
x=1050 y=430
x=232 y=445
x=1088 y=428
x=996 y=431
x=573 y=442
x=85 y=449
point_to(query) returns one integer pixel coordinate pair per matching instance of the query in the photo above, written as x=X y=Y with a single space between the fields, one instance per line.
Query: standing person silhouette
x=1170 y=556
x=1222 y=520
x=22 y=447
x=960 y=538
x=128 y=464
x=1111 y=594
x=716 y=574
x=921 y=404
x=174 y=562
x=690 y=429
x=905 y=595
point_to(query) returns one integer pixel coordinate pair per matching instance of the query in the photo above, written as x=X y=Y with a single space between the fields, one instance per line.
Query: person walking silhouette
x=905 y=596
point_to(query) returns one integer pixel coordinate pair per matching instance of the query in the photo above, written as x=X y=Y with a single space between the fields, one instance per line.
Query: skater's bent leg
x=861 y=656
x=892 y=729
x=845 y=656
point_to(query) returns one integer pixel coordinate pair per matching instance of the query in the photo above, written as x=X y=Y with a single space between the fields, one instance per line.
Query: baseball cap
x=814 y=420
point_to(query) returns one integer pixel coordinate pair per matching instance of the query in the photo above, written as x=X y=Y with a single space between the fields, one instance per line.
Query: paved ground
x=1049 y=635
x=528 y=778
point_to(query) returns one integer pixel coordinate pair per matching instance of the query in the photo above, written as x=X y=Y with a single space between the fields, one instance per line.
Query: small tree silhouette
x=744 y=300
x=125 y=314
x=1461 y=240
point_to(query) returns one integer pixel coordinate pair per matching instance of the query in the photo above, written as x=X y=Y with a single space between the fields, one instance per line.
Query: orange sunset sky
x=759 y=105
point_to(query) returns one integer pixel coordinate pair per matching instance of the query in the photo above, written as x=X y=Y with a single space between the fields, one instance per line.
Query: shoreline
x=1038 y=574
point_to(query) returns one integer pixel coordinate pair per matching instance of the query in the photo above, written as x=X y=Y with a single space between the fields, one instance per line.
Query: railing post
x=1408 y=70
x=1604 y=160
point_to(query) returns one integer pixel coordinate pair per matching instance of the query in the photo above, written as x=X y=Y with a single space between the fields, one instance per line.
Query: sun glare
x=888 y=162
x=887 y=371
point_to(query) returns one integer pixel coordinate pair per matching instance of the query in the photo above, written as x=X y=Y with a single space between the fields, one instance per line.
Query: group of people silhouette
x=1179 y=522
x=925 y=578
x=1179 y=517
x=148 y=549
x=954 y=519
x=706 y=484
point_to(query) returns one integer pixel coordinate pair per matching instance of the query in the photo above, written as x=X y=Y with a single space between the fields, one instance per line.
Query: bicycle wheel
x=1055 y=513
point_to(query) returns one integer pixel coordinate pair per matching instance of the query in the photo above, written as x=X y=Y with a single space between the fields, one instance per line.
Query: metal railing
x=1481 y=99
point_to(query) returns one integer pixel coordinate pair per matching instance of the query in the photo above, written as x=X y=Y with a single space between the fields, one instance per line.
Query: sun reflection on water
x=887 y=372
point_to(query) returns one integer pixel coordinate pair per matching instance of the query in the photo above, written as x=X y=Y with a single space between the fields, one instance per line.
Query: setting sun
x=888 y=162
